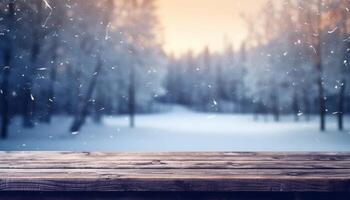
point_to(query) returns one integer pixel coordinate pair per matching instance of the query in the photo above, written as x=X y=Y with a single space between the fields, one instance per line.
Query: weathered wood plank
x=176 y=173
x=180 y=173
x=172 y=196
x=185 y=156
x=166 y=164
x=181 y=185
x=185 y=172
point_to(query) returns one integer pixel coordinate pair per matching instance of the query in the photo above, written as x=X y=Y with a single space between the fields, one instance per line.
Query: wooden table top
x=187 y=171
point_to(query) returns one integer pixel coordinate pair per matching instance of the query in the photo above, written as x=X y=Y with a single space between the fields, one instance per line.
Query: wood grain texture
x=175 y=172
x=171 y=196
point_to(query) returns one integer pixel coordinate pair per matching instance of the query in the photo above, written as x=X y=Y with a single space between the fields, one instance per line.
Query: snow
x=181 y=130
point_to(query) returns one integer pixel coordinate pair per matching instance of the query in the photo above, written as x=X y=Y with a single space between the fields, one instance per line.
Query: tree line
x=295 y=60
x=77 y=57
x=85 y=58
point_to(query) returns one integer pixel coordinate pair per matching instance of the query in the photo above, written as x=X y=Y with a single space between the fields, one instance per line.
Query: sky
x=194 y=24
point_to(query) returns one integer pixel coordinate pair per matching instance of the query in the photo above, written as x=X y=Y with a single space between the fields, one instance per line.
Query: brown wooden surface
x=171 y=196
x=167 y=172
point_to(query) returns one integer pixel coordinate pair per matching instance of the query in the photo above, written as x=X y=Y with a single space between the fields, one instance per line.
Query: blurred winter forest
x=88 y=59
x=294 y=61
x=78 y=57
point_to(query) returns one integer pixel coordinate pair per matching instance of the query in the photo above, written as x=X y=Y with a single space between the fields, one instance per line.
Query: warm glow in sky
x=194 y=24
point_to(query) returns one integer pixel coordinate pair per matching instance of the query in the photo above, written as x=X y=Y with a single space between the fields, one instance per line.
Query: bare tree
x=344 y=72
x=7 y=56
x=318 y=64
x=54 y=50
x=83 y=108
x=131 y=95
x=39 y=30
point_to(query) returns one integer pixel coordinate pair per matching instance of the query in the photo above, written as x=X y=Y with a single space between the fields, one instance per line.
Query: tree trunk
x=275 y=106
x=321 y=100
x=321 y=97
x=51 y=90
x=265 y=112
x=5 y=120
x=28 y=100
x=5 y=94
x=131 y=103
x=341 y=105
x=28 y=105
x=84 y=105
x=296 y=109
x=307 y=110
x=99 y=106
x=79 y=93
x=51 y=96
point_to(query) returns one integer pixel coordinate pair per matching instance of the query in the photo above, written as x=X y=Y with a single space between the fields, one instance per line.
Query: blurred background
x=175 y=75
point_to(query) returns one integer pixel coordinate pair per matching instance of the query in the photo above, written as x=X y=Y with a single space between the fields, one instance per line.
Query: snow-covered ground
x=181 y=130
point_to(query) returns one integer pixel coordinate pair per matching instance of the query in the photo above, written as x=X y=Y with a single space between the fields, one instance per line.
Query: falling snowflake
x=313 y=48
x=75 y=133
x=333 y=30
x=47 y=5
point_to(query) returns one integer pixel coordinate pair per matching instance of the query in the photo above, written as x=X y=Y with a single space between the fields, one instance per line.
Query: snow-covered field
x=181 y=130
